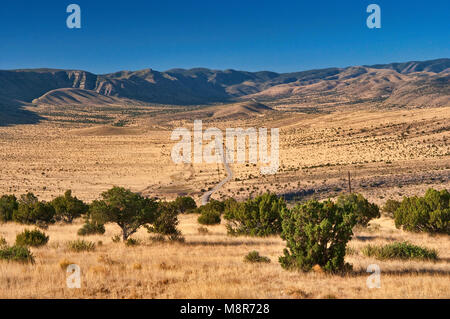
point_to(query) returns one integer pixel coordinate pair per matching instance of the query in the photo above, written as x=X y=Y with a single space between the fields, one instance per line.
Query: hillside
x=416 y=84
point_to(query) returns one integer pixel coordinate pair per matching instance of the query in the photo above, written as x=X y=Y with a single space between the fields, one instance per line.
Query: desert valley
x=385 y=126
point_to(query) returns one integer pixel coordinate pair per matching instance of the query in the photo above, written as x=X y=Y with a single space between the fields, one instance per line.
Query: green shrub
x=212 y=205
x=33 y=238
x=3 y=242
x=255 y=257
x=132 y=242
x=80 y=245
x=430 y=213
x=185 y=204
x=128 y=210
x=316 y=233
x=16 y=253
x=8 y=204
x=260 y=216
x=363 y=210
x=91 y=228
x=67 y=207
x=390 y=207
x=209 y=217
x=403 y=250
x=166 y=221
x=32 y=211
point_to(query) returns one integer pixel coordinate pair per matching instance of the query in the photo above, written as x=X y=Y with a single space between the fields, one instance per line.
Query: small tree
x=430 y=213
x=363 y=210
x=185 y=204
x=255 y=217
x=316 y=233
x=8 y=204
x=67 y=207
x=127 y=209
x=32 y=211
x=166 y=221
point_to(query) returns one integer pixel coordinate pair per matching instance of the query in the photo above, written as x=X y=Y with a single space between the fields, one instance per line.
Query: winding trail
x=207 y=195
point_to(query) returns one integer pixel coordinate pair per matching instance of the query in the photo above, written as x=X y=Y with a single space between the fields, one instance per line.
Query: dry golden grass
x=390 y=153
x=212 y=266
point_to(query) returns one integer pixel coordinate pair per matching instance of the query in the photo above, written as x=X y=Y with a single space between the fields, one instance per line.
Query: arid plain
x=389 y=153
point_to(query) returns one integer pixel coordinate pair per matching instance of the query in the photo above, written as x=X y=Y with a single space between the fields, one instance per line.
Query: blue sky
x=251 y=35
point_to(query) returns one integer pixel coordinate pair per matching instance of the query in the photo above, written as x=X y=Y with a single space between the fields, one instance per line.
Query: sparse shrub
x=80 y=245
x=255 y=257
x=132 y=242
x=402 y=250
x=260 y=216
x=203 y=230
x=363 y=210
x=32 y=211
x=185 y=204
x=116 y=239
x=430 y=213
x=67 y=207
x=166 y=221
x=316 y=233
x=127 y=209
x=33 y=238
x=3 y=242
x=16 y=253
x=91 y=228
x=390 y=207
x=209 y=217
x=8 y=204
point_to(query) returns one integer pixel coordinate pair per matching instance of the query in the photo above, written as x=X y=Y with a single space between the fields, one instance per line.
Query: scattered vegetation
x=402 y=250
x=33 y=238
x=255 y=257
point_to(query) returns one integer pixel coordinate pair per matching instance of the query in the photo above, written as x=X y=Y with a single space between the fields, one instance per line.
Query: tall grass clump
x=80 y=245
x=402 y=250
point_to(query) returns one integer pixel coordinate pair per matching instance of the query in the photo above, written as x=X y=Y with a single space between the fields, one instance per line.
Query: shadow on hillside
x=13 y=114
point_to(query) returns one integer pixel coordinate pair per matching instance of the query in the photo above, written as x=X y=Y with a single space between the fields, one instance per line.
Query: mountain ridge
x=199 y=86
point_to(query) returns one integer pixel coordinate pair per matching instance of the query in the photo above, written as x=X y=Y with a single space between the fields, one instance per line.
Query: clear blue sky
x=252 y=35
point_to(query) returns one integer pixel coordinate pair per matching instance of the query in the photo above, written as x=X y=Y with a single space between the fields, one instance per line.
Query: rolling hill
x=416 y=84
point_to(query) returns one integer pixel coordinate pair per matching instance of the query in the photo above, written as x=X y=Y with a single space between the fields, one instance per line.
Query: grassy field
x=212 y=266
x=390 y=153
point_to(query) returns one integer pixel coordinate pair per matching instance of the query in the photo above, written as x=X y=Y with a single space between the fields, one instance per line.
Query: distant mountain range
x=413 y=83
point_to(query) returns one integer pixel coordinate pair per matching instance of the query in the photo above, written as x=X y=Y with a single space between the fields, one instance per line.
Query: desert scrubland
x=390 y=154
